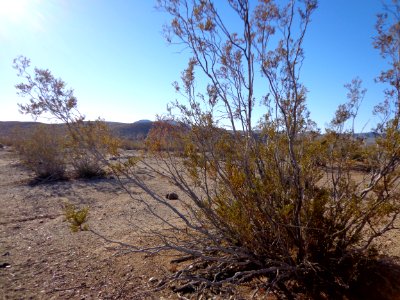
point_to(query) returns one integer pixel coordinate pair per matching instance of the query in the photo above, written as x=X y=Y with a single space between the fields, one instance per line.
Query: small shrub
x=43 y=153
x=76 y=218
x=166 y=136
x=89 y=144
x=88 y=168
x=128 y=144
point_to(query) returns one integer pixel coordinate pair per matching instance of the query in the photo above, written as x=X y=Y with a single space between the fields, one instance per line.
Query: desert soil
x=40 y=258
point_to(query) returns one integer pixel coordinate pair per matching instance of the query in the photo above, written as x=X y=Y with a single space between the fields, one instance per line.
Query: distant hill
x=9 y=128
x=136 y=130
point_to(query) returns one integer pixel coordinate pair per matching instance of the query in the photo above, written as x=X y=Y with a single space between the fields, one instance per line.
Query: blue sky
x=113 y=55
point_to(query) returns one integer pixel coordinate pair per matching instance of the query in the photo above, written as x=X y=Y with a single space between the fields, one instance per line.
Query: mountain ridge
x=137 y=130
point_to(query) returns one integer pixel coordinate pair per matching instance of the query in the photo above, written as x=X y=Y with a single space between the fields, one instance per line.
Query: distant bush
x=132 y=144
x=87 y=143
x=6 y=141
x=166 y=136
x=87 y=168
x=42 y=151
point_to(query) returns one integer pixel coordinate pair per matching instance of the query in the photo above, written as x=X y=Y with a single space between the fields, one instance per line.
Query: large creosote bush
x=275 y=199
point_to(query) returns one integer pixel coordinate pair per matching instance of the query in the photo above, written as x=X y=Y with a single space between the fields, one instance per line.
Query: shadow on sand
x=377 y=280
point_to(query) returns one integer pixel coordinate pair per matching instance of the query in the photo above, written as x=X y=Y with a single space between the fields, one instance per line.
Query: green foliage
x=76 y=217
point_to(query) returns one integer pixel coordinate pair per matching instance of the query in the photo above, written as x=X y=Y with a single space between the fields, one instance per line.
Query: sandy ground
x=40 y=258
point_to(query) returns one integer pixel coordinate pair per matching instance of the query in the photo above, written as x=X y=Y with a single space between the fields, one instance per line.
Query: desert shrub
x=88 y=143
x=166 y=136
x=7 y=141
x=279 y=203
x=76 y=217
x=130 y=144
x=85 y=167
x=43 y=152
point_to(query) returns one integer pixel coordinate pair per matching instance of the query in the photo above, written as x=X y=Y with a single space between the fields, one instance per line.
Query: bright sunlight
x=17 y=15
x=14 y=10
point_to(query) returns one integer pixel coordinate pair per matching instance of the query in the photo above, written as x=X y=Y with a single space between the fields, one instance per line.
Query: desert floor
x=40 y=258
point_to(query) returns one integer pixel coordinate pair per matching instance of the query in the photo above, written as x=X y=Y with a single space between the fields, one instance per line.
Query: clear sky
x=113 y=55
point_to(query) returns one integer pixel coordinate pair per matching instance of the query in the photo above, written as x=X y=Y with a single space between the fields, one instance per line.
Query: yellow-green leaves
x=76 y=217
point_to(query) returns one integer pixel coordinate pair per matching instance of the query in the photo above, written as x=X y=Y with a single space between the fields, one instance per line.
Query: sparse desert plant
x=76 y=217
x=88 y=142
x=6 y=140
x=43 y=151
x=166 y=135
x=130 y=144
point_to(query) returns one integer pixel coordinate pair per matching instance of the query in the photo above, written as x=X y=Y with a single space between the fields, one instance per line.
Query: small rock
x=6 y=254
x=153 y=280
x=4 y=265
x=172 y=196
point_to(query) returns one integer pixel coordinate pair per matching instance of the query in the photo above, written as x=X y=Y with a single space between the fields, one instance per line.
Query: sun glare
x=21 y=16
x=14 y=10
